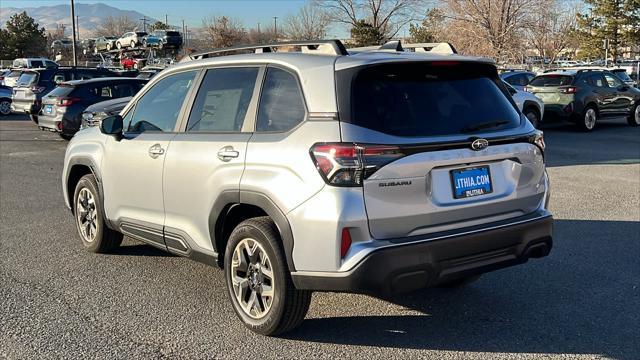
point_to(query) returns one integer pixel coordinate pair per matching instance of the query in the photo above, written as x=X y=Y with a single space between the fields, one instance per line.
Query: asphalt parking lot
x=582 y=301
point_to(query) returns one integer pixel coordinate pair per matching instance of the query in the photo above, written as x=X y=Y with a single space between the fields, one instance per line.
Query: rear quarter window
x=426 y=99
x=27 y=78
x=552 y=80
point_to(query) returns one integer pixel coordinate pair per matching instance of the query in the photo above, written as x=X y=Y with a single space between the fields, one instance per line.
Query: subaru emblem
x=479 y=144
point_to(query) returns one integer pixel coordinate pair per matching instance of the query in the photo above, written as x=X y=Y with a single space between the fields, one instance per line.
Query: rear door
x=423 y=170
x=207 y=156
x=605 y=96
x=623 y=100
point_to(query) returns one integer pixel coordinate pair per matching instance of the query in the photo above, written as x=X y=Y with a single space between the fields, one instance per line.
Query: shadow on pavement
x=582 y=300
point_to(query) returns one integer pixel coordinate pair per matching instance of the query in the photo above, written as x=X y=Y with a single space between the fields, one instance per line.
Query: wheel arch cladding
x=233 y=207
x=530 y=105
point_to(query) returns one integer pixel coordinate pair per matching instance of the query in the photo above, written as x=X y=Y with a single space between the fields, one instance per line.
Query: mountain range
x=89 y=16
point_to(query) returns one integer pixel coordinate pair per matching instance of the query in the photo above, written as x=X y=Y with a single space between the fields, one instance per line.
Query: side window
x=612 y=80
x=529 y=78
x=281 y=102
x=37 y=64
x=596 y=80
x=122 y=90
x=158 y=109
x=223 y=100
x=513 y=80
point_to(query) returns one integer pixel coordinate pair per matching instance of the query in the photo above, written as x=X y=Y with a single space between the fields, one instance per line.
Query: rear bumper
x=25 y=107
x=442 y=257
x=50 y=123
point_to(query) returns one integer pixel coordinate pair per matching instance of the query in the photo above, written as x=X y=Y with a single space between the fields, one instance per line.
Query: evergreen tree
x=616 y=20
x=158 y=25
x=364 y=34
x=22 y=38
x=429 y=29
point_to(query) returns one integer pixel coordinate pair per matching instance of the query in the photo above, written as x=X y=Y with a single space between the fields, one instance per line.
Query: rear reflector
x=345 y=243
x=348 y=164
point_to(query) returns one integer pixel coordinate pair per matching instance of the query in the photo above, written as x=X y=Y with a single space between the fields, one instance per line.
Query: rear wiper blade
x=482 y=126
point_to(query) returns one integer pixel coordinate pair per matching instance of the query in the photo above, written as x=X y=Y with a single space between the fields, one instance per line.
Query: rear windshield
x=423 y=99
x=551 y=80
x=27 y=78
x=173 y=33
x=15 y=73
x=61 y=91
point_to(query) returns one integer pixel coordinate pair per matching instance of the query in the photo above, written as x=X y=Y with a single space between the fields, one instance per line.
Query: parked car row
x=582 y=95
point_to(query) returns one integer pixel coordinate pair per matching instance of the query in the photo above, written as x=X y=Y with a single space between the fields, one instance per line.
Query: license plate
x=471 y=182
x=48 y=109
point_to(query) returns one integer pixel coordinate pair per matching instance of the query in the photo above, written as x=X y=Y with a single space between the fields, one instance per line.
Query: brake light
x=538 y=140
x=569 y=90
x=37 y=89
x=348 y=164
x=67 y=101
x=345 y=242
x=527 y=89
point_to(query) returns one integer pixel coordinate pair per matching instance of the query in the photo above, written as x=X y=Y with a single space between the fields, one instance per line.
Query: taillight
x=67 y=101
x=348 y=164
x=37 y=89
x=538 y=140
x=527 y=89
x=569 y=90
x=345 y=242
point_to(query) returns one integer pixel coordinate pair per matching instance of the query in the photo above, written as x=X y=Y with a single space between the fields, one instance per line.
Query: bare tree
x=309 y=24
x=115 y=26
x=550 y=28
x=222 y=31
x=385 y=16
x=488 y=27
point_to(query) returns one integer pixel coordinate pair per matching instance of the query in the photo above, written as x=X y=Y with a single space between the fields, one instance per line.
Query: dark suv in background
x=168 y=38
x=586 y=96
x=34 y=84
x=62 y=108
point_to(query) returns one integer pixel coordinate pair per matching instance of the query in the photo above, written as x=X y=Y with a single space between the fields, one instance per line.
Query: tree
x=365 y=34
x=616 y=20
x=430 y=29
x=115 y=26
x=486 y=27
x=222 y=31
x=158 y=25
x=384 y=17
x=550 y=28
x=309 y=24
x=23 y=37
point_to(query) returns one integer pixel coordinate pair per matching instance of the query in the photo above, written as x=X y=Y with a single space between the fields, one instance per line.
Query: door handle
x=155 y=151
x=227 y=153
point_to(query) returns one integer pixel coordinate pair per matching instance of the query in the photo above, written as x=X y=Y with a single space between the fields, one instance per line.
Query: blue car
x=517 y=78
x=151 y=41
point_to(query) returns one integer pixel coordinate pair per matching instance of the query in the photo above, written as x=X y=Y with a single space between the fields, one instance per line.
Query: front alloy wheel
x=252 y=278
x=87 y=215
x=634 y=117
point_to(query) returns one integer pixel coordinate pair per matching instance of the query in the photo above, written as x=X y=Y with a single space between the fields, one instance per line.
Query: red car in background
x=132 y=63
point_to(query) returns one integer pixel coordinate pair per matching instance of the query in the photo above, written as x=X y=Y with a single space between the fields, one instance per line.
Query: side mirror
x=112 y=125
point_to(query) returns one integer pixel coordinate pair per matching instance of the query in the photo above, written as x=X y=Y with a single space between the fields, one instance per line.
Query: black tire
x=34 y=118
x=585 y=122
x=634 y=117
x=105 y=240
x=533 y=115
x=458 y=282
x=5 y=106
x=65 y=136
x=288 y=305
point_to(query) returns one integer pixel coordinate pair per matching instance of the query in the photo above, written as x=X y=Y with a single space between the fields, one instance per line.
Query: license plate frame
x=472 y=173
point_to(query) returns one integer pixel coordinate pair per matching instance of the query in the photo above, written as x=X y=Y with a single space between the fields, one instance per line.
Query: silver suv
x=379 y=172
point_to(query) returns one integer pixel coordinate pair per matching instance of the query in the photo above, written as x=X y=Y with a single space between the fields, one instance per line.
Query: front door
x=207 y=157
x=132 y=166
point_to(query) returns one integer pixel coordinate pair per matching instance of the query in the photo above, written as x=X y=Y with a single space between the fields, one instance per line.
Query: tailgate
x=416 y=194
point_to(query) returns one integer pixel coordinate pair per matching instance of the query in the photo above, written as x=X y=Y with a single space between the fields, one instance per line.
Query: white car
x=530 y=105
x=130 y=39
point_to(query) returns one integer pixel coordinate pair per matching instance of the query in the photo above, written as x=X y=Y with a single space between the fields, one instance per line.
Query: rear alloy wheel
x=118 y=45
x=90 y=222
x=108 y=47
x=589 y=119
x=133 y=44
x=5 y=107
x=258 y=281
x=533 y=117
x=634 y=117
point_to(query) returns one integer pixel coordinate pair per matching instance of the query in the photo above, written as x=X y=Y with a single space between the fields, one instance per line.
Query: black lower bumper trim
x=418 y=265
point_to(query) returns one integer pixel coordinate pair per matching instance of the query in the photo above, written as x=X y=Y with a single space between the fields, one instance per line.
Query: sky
x=250 y=12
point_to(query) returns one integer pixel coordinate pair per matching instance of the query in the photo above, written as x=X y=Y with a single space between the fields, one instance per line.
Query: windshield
x=429 y=99
x=27 y=78
x=623 y=75
x=551 y=80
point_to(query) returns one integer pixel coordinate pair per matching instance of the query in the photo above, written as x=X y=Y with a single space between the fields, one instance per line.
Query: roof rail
x=331 y=47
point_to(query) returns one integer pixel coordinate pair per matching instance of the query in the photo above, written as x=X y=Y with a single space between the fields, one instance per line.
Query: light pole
x=73 y=33
x=275 y=27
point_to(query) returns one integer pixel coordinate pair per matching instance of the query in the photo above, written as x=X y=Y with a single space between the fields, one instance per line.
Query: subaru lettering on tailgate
x=471 y=182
